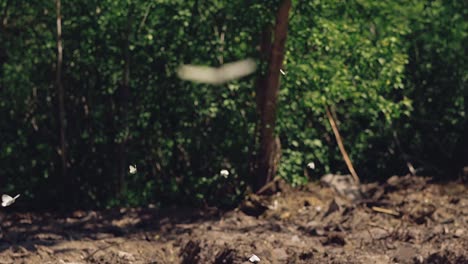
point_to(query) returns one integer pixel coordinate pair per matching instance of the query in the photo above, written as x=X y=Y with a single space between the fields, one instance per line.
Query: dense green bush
x=394 y=73
x=435 y=136
x=351 y=56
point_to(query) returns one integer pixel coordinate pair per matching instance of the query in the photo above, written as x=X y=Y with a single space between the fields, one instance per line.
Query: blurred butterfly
x=132 y=169
x=8 y=200
x=311 y=165
x=225 y=73
x=224 y=173
x=254 y=259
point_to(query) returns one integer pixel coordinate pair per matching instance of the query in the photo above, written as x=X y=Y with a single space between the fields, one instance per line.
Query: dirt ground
x=405 y=220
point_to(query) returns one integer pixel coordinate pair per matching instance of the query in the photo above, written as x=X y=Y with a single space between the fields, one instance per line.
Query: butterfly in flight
x=7 y=200
x=224 y=173
x=254 y=259
x=132 y=169
x=225 y=73
x=311 y=165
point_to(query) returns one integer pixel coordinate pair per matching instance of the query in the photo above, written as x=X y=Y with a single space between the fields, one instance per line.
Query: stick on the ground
x=341 y=146
x=268 y=185
x=101 y=249
x=385 y=211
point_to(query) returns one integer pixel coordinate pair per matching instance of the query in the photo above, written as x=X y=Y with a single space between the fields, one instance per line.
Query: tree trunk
x=123 y=107
x=267 y=97
x=465 y=127
x=461 y=151
x=4 y=19
x=61 y=104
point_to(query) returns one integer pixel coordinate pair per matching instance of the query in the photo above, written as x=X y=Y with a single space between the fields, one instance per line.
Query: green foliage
x=383 y=67
x=351 y=56
x=438 y=78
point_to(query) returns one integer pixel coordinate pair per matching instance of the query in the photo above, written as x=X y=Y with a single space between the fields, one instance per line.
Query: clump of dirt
x=404 y=220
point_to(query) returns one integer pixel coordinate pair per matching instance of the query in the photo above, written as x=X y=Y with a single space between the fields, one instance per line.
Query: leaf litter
x=406 y=219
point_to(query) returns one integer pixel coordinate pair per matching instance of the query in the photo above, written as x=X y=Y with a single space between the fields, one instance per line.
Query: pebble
x=459 y=232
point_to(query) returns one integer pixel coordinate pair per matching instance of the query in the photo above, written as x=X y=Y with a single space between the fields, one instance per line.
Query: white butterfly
x=254 y=259
x=8 y=200
x=210 y=75
x=132 y=169
x=311 y=165
x=224 y=173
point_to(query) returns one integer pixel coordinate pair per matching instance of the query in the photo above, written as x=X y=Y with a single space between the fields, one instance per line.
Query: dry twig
x=341 y=146
x=385 y=211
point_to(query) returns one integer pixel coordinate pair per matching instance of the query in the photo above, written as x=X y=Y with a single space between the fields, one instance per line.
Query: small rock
x=438 y=230
x=79 y=214
x=295 y=238
x=334 y=238
x=273 y=206
x=344 y=185
x=279 y=254
x=446 y=230
x=459 y=232
x=334 y=206
x=378 y=233
x=405 y=254
x=125 y=255
x=317 y=231
x=285 y=215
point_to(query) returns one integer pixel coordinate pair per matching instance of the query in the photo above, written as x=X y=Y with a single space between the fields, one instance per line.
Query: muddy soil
x=404 y=220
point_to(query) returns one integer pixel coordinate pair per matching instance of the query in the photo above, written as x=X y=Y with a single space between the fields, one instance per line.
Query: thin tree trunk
x=265 y=49
x=267 y=158
x=460 y=154
x=3 y=54
x=123 y=108
x=465 y=135
x=61 y=104
x=4 y=19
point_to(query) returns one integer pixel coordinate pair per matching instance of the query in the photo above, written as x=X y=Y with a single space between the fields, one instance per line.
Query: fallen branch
x=341 y=146
x=385 y=211
x=268 y=185
x=112 y=244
